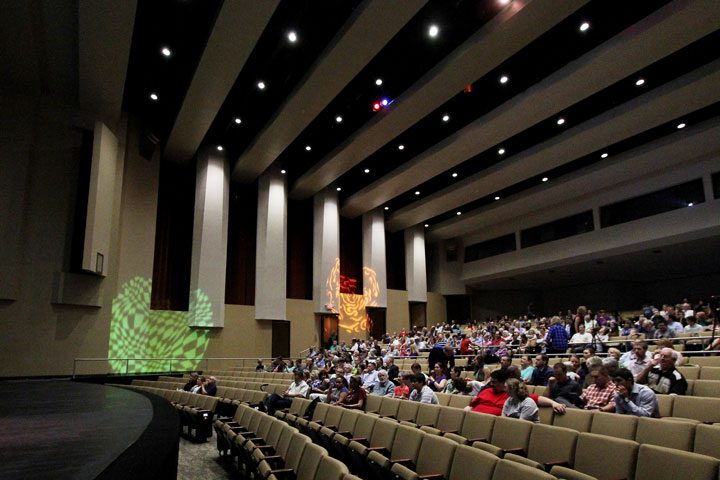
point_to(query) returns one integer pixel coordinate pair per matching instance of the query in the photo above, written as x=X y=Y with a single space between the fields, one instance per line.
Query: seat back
x=706 y=410
x=389 y=407
x=321 y=411
x=443 y=398
x=427 y=415
x=372 y=403
x=706 y=388
x=310 y=461
x=295 y=450
x=665 y=405
x=552 y=444
x=659 y=462
x=690 y=372
x=614 y=425
x=620 y=454
x=435 y=456
x=508 y=470
x=707 y=440
x=286 y=436
x=334 y=414
x=666 y=433
x=575 y=419
x=706 y=361
x=364 y=426
x=407 y=443
x=472 y=463
x=331 y=469
x=266 y=422
x=408 y=411
x=511 y=433
x=708 y=373
x=459 y=401
x=348 y=420
x=383 y=434
x=546 y=415
x=273 y=436
x=450 y=419
x=477 y=426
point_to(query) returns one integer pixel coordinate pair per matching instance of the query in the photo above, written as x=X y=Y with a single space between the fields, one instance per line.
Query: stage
x=70 y=430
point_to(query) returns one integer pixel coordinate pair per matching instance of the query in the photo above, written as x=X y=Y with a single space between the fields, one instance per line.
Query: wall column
x=415 y=266
x=374 y=265
x=271 y=267
x=209 y=251
x=326 y=250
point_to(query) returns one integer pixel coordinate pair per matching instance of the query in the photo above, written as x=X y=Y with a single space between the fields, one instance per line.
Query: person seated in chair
x=600 y=394
x=421 y=392
x=299 y=388
x=561 y=388
x=209 y=387
x=192 y=382
x=662 y=376
x=633 y=399
x=384 y=387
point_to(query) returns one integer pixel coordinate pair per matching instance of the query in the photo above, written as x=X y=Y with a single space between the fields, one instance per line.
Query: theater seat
x=508 y=470
x=434 y=458
x=706 y=388
x=476 y=427
x=706 y=410
x=472 y=464
x=666 y=433
x=659 y=462
x=511 y=435
x=449 y=420
x=389 y=407
x=614 y=425
x=569 y=474
x=331 y=469
x=404 y=450
x=620 y=454
x=575 y=419
x=707 y=440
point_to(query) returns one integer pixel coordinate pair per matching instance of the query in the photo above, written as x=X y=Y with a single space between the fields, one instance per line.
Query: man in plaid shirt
x=599 y=395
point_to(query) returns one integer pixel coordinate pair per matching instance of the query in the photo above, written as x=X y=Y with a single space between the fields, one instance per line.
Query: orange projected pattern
x=352 y=316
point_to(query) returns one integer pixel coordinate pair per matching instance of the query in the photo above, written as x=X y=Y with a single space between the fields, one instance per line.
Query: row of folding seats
x=268 y=448
x=699 y=372
x=230 y=398
x=251 y=375
x=196 y=413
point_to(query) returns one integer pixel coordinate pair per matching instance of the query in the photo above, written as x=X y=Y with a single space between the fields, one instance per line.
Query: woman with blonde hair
x=519 y=404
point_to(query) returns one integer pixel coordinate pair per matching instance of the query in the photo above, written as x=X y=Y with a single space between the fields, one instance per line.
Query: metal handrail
x=170 y=360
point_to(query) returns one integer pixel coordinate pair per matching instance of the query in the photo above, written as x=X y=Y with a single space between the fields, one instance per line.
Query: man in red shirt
x=465 y=346
x=491 y=400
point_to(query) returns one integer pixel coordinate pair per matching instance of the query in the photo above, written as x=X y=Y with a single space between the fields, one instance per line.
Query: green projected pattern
x=136 y=331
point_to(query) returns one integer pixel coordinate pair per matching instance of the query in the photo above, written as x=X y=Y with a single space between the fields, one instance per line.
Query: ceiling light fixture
x=308 y=148
x=376 y=106
x=446 y=118
x=378 y=82
x=501 y=151
x=639 y=81
x=560 y=121
x=458 y=213
x=219 y=148
x=497 y=198
x=401 y=147
x=283 y=171
x=503 y=2
x=261 y=85
x=237 y=120
x=338 y=189
x=454 y=175
x=166 y=51
x=504 y=79
x=153 y=97
x=545 y=179
x=690 y=204
x=292 y=37
x=417 y=192
x=387 y=208
x=338 y=119
x=426 y=225
x=433 y=31
x=584 y=26
x=680 y=125
x=367 y=170
x=604 y=155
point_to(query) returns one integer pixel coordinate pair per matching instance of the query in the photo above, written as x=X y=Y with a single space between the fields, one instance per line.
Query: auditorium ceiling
x=436 y=111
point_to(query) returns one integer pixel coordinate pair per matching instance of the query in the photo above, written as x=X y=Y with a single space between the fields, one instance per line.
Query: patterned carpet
x=201 y=461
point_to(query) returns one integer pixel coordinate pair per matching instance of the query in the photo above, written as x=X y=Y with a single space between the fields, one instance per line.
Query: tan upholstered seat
x=666 y=433
x=434 y=458
x=511 y=434
x=706 y=388
x=706 y=410
x=575 y=419
x=620 y=456
x=707 y=440
x=508 y=470
x=471 y=463
x=659 y=462
x=709 y=373
x=614 y=425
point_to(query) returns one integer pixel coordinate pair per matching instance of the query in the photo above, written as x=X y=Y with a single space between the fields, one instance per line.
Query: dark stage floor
x=66 y=430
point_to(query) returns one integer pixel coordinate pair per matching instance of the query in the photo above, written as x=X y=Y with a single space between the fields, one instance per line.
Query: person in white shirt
x=639 y=359
x=296 y=389
x=421 y=392
x=369 y=377
x=580 y=339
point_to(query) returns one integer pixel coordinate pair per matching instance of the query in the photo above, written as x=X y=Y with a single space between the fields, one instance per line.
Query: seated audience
x=632 y=398
x=600 y=394
x=392 y=369
x=421 y=392
x=637 y=359
x=191 y=382
x=298 y=388
x=209 y=387
x=661 y=376
x=260 y=367
x=561 y=388
x=369 y=377
x=580 y=339
x=519 y=404
x=542 y=372
x=356 y=395
x=438 y=378
x=402 y=390
x=337 y=391
x=526 y=368
x=384 y=387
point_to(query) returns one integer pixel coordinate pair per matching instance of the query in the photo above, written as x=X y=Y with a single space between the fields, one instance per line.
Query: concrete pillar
x=209 y=250
x=374 y=265
x=271 y=260
x=415 y=265
x=326 y=251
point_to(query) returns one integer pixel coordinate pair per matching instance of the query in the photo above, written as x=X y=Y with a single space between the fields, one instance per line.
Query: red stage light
x=376 y=106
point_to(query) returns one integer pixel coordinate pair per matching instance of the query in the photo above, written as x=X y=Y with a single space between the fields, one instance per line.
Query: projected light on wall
x=138 y=332
x=352 y=316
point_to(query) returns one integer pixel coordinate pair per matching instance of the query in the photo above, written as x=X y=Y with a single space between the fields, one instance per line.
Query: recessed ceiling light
x=166 y=51
x=584 y=26
x=545 y=179
x=639 y=81
x=501 y=151
x=417 y=192
x=458 y=213
x=446 y=118
x=426 y=225
x=401 y=147
x=338 y=189
x=433 y=31
x=454 y=175
x=338 y=119
x=504 y=79
x=308 y=148
x=153 y=97
x=681 y=125
x=503 y=2
x=261 y=85
x=219 y=148
x=604 y=155
x=690 y=204
x=292 y=37
x=560 y=121
x=367 y=170
x=378 y=82
x=497 y=198
x=387 y=208
x=283 y=171
x=237 y=120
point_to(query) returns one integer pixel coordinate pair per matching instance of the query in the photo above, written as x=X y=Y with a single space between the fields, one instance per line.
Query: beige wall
x=398 y=311
x=436 y=308
x=304 y=329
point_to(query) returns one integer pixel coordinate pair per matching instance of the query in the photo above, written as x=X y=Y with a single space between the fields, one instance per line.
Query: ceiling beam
x=235 y=33
x=507 y=33
x=662 y=33
x=355 y=46
x=103 y=53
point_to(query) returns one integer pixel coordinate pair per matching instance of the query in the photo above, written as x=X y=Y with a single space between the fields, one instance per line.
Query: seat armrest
x=362 y=440
x=470 y=441
x=344 y=434
x=516 y=451
x=402 y=461
x=561 y=463
x=431 y=476
x=443 y=432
